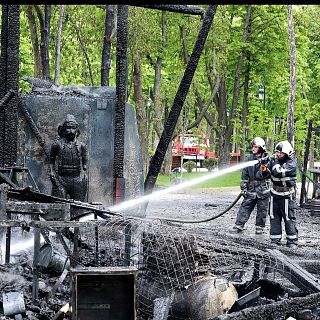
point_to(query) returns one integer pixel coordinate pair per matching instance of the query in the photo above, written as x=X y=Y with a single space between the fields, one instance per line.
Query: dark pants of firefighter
x=283 y=209
x=247 y=207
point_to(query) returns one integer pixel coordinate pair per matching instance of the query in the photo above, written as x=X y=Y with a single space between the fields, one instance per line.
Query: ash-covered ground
x=202 y=204
x=181 y=205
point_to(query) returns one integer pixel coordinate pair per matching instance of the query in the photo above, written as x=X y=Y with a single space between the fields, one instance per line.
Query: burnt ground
x=182 y=205
x=204 y=203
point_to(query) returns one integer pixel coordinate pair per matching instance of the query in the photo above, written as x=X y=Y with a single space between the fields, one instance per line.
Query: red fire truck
x=190 y=146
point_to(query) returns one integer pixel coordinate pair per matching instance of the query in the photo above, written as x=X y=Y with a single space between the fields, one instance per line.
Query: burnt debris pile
x=182 y=271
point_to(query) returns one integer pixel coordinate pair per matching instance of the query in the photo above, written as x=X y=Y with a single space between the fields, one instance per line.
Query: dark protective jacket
x=252 y=180
x=283 y=176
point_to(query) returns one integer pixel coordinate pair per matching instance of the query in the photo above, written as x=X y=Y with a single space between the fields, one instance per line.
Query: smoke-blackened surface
x=121 y=89
x=9 y=67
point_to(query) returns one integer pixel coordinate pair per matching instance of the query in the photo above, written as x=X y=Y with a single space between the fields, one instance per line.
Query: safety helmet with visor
x=259 y=142
x=285 y=147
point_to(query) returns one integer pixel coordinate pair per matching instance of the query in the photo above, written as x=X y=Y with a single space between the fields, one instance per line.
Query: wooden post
x=3 y=213
x=303 y=194
x=35 y=266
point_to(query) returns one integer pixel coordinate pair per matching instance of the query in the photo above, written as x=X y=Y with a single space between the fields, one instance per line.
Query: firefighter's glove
x=263 y=167
x=244 y=192
x=243 y=187
x=264 y=160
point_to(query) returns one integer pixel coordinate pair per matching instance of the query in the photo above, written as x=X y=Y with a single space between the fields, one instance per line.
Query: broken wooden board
x=315 y=207
x=295 y=273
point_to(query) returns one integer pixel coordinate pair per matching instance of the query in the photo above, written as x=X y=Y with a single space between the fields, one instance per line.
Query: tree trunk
x=224 y=131
x=139 y=101
x=170 y=124
x=58 y=44
x=167 y=161
x=45 y=39
x=106 y=51
x=159 y=105
x=84 y=49
x=236 y=86
x=244 y=111
x=293 y=80
x=158 y=110
x=35 y=43
x=226 y=116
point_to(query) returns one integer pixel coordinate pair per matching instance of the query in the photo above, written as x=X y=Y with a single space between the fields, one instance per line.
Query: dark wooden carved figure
x=68 y=159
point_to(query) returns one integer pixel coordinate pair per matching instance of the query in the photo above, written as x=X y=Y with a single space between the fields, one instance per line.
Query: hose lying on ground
x=208 y=219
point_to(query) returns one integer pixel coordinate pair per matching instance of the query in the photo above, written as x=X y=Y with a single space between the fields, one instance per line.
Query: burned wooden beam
x=29 y=195
x=185 y=83
x=35 y=130
x=9 y=74
x=179 y=8
x=295 y=273
x=8 y=96
x=275 y=310
x=13 y=223
x=311 y=265
x=248 y=298
x=66 y=224
x=26 y=207
x=57 y=284
x=121 y=98
x=5 y=179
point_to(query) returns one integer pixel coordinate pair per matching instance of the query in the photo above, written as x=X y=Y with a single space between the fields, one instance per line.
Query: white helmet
x=259 y=142
x=285 y=147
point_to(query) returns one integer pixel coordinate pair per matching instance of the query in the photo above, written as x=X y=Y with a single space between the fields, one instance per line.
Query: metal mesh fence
x=171 y=257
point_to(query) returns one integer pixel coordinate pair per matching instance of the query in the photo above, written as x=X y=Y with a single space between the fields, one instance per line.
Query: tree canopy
x=247 y=49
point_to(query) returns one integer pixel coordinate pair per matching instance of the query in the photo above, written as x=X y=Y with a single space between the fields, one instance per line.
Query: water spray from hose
x=133 y=202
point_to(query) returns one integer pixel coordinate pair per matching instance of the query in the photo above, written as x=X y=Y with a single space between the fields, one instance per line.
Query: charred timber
x=179 y=100
x=33 y=126
x=121 y=89
x=9 y=69
x=275 y=310
x=312 y=266
x=29 y=195
x=9 y=95
x=195 y=10
x=295 y=273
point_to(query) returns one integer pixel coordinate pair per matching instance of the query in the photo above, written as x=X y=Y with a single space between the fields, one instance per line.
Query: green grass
x=228 y=180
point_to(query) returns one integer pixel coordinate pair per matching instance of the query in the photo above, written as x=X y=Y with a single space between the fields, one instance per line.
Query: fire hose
x=208 y=219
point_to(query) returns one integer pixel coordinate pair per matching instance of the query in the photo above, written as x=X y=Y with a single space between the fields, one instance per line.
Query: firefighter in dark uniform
x=282 y=170
x=68 y=157
x=256 y=191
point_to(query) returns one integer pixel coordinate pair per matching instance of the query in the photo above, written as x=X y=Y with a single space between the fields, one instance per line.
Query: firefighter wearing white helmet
x=256 y=191
x=259 y=142
x=285 y=147
x=282 y=169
